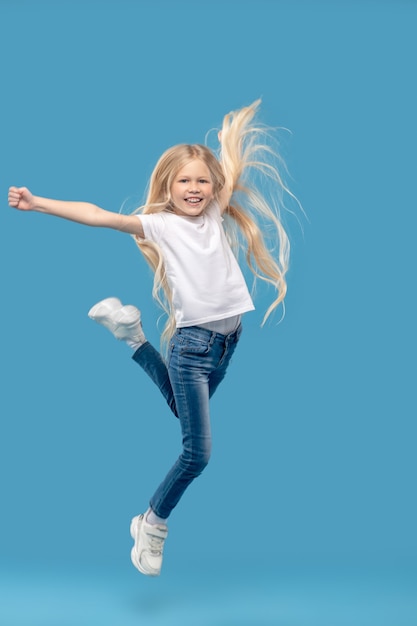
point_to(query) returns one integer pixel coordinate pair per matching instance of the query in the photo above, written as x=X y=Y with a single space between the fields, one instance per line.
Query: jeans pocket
x=193 y=344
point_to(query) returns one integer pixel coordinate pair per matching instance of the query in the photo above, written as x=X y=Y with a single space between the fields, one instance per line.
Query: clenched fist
x=21 y=198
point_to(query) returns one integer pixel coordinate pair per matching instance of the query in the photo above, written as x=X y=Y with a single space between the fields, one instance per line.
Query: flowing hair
x=252 y=219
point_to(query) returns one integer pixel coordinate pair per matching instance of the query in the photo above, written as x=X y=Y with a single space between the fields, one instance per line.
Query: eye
x=203 y=180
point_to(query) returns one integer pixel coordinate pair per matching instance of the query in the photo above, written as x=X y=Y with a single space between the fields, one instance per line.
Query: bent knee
x=196 y=462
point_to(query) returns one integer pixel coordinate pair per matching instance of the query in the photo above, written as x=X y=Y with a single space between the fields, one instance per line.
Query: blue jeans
x=196 y=364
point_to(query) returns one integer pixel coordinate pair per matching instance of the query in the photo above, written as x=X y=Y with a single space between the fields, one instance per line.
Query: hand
x=21 y=198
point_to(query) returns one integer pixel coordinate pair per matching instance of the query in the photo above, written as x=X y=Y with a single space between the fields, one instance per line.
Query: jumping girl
x=189 y=230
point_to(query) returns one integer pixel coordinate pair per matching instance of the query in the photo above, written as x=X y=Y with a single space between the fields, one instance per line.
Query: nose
x=194 y=187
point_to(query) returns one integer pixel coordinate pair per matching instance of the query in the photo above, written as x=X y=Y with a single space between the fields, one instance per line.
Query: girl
x=185 y=231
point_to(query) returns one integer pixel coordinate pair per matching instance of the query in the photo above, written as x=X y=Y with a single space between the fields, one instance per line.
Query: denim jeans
x=197 y=362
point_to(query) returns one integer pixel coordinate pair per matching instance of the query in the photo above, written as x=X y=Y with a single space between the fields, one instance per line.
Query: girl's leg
x=151 y=362
x=189 y=384
x=188 y=371
x=198 y=362
x=124 y=321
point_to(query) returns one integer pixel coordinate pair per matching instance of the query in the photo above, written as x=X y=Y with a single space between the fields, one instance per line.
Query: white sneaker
x=123 y=321
x=149 y=545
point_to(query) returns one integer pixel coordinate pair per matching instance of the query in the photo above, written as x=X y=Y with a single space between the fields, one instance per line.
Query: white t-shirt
x=202 y=271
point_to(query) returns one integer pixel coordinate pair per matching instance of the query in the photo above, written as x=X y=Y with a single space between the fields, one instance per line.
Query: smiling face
x=192 y=189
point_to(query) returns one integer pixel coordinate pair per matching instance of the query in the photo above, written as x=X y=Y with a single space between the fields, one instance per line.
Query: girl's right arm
x=82 y=212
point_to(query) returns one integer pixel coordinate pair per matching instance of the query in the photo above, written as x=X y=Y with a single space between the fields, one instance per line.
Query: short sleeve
x=153 y=225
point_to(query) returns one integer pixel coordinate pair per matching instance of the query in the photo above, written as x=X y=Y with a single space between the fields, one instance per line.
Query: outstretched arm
x=82 y=212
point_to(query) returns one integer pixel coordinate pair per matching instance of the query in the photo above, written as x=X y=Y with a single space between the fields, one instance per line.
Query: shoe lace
x=156 y=543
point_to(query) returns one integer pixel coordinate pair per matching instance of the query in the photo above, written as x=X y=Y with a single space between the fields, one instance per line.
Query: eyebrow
x=180 y=175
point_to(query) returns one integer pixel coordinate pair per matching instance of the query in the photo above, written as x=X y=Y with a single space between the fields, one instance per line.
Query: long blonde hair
x=255 y=228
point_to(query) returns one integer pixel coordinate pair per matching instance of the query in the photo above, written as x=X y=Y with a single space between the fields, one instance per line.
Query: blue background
x=307 y=513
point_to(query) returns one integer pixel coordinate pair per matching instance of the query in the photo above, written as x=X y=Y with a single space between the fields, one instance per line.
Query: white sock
x=153 y=519
x=135 y=345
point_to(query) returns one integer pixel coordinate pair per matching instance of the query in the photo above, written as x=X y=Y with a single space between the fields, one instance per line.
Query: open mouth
x=193 y=201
